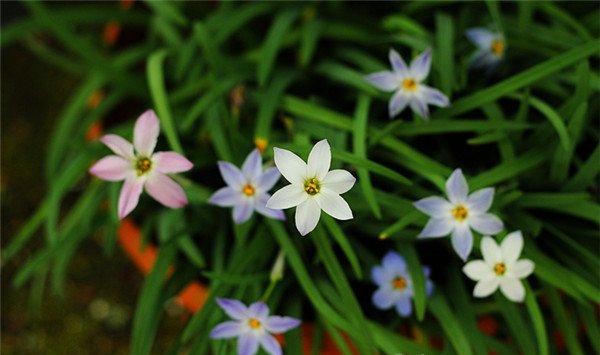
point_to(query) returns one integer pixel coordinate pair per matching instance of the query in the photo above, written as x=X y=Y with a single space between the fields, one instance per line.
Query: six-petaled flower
x=491 y=47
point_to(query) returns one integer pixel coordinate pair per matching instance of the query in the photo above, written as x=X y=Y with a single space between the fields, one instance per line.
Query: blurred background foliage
x=222 y=75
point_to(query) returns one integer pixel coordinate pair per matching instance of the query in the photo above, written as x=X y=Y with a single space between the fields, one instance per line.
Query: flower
x=246 y=190
x=252 y=326
x=395 y=287
x=490 y=47
x=500 y=267
x=460 y=214
x=312 y=187
x=406 y=82
x=142 y=169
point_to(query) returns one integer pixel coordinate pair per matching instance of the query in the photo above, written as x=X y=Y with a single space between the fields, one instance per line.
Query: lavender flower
x=490 y=47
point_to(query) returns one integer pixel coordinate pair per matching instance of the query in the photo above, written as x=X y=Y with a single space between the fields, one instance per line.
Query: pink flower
x=142 y=168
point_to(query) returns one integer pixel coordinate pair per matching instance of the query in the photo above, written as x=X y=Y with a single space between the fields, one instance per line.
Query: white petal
x=434 y=96
x=456 y=187
x=398 y=63
x=487 y=224
x=290 y=165
x=486 y=287
x=383 y=80
x=420 y=66
x=437 y=227
x=480 y=37
x=145 y=133
x=478 y=270
x=397 y=103
x=513 y=289
x=289 y=196
x=522 y=268
x=333 y=204
x=319 y=160
x=307 y=216
x=490 y=251
x=511 y=247
x=462 y=241
x=433 y=206
x=419 y=106
x=338 y=180
x=481 y=200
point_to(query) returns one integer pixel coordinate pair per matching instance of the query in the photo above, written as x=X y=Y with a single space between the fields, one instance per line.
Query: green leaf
x=417 y=274
x=272 y=44
x=342 y=240
x=455 y=333
x=537 y=318
x=443 y=56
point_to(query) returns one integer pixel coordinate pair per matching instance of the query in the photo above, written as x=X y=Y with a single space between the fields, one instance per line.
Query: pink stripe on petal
x=111 y=168
x=171 y=162
x=145 y=133
x=118 y=145
x=130 y=195
x=166 y=191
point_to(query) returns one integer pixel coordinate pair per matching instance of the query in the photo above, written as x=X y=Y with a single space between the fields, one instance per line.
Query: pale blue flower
x=252 y=326
x=491 y=47
x=395 y=286
x=406 y=83
x=458 y=215
x=247 y=190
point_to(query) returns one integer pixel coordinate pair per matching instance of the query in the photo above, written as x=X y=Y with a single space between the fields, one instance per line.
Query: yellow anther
x=460 y=213
x=312 y=186
x=409 y=84
x=399 y=283
x=248 y=190
x=500 y=269
x=142 y=165
x=498 y=47
x=254 y=323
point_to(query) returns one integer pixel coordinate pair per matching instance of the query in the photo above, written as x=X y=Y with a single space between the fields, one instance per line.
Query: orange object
x=126 y=4
x=112 y=30
x=95 y=99
x=94 y=132
x=488 y=325
x=261 y=144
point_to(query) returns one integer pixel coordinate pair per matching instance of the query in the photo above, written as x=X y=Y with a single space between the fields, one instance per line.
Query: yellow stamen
x=312 y=186
x=261 y=144
x=498 y=47
x=254 y=323
x=460 y=213
x=248 y=190
x=500 y=269
x=409 y=84
x=399 y=283
x=142 y=165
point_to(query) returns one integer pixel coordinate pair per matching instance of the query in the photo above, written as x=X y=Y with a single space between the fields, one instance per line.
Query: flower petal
x=420 y=66
x=434 y=96
x=462 y=241
x=288 y=196
x=477 y=270
x=112 y=168
x=436 y=227
x=277 y=324
x=270 y=344
x=242 y=212
x=258 y=310
x=480 y=37
x=456 y=187
x=129 y=196
x=252 y=167
x=378 y=275
x=433 y=206
x=307 y=216
x=227 y=329
x=522 y=268
x=231 y=175
x=290 y=165
x=487 y=224
x=419 y=106
x=339 y=181
x=247 y=344
x=226 y=197
x=260 y=205
x=394 y=262
x=234 y=308
x=490 y=251
x=165 y=190
x=383 y=80
x=398 y=103
x=171 y=162
x=404 y=306
x=145 y=133
x=397 y=63
x=511 y=247
x=486 y=287
x=319 y=160
x=118 y=145
x=333 y=204
x=513 y=289
x=383 y=298
x=481 y=200
x=268 y=179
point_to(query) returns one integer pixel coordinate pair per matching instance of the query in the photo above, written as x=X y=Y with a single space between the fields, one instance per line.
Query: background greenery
x=530 y=130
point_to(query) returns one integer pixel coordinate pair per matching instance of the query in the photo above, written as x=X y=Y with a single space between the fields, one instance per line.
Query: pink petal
x=111 y=168
x=146 y=132
x=171 y=162
x=130 y=195
x=165 y=190
x=119 y=145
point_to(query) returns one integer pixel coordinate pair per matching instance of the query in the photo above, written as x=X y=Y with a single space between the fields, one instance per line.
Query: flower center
x=409 y=84
x=143 y=165
x=312 y=186
x=399 y=283
x=253 y=323
x=497 y=47
x=248 y=190
x=500 y=269
x=460 y=213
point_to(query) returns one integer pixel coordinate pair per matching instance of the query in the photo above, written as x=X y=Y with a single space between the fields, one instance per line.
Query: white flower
x=460 y=214
x=406 y=82
x=500 y=267
x=490 y=47
x=312 y=187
